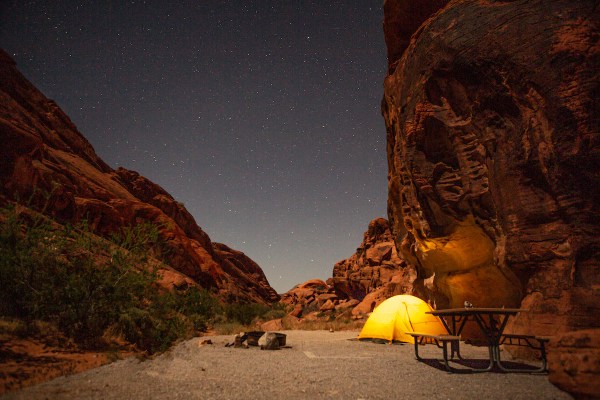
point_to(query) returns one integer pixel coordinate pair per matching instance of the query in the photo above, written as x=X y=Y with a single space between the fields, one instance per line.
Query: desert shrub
x=198 y=305
x=86 y=285
x=95 y=290
x=276 y=311
x=247 y=314
x=12 y=326
x=244 y=313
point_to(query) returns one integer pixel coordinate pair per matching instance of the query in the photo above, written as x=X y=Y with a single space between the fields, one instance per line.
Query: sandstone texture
x=574 y=359
x=308 y=298
x=46 y=159
x=494 y=151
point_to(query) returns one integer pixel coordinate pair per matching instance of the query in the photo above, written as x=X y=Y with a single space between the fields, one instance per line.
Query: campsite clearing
x=317 y=364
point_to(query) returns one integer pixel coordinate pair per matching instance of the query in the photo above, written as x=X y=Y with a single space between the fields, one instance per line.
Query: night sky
x=262 y=117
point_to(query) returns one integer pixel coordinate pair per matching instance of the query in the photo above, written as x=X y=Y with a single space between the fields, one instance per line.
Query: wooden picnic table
x=492 y=322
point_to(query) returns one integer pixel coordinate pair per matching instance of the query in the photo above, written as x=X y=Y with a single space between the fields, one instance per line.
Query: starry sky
x=262 y=117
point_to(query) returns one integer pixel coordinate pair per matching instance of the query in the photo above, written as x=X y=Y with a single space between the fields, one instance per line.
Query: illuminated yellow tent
x=400 y=314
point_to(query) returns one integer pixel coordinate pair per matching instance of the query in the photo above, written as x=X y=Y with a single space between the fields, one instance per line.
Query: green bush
x=244 y=313
x=87 y=286
x=276 y=311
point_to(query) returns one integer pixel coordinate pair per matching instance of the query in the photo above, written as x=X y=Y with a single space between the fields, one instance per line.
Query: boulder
x=327 y=306
x=273 y=325
x=343 y=305
x=322 y=298
x=269 y=341
x=379 y=253
x=297 y=311
x=290 y=322
x=310 y=294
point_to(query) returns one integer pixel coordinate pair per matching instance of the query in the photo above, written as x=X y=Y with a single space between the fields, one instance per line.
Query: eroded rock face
x=42 y=149
x=375 y=272
x=493 y=151
x=244 y=277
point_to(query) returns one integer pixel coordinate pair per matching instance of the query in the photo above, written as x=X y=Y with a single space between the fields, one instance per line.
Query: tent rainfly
x=397 y=315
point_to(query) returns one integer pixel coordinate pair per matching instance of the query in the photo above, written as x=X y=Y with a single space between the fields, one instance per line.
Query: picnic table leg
x=445 y=350
x=455 y=349
x=490 y=366
x=446 y=360
x=492 y=360
x=454 y=328
x=417 y=349
x=543 y=368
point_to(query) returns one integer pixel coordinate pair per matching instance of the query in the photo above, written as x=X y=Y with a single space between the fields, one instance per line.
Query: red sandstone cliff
x=493 y=128
x=42 y=149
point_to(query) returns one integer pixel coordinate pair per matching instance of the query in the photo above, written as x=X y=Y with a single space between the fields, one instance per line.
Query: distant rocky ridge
x=43 y=150
x=375 y=272
x=359 y=283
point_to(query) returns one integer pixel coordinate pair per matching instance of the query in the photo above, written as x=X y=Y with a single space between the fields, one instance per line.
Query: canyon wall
x=492 y=120
x=493 y=154
x=46 y=163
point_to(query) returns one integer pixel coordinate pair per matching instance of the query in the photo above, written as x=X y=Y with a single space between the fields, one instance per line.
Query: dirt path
x=318 y=364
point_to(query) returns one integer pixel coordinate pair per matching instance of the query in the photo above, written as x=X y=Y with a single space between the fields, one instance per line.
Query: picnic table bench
x=440 y=341
x=534 y=342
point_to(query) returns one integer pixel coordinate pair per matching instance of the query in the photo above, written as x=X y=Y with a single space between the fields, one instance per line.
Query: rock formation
x=493 y=124
x=44 y=158
x=308 y=297
x=359 y=283
x=375 y=272
x=493 y=153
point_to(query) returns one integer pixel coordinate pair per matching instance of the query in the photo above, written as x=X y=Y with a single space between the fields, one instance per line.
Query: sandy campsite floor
x=316 y=364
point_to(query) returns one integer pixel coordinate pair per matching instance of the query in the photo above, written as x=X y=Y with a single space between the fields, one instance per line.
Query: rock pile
x=371 y=275
x=314 y=299
x=375 y=272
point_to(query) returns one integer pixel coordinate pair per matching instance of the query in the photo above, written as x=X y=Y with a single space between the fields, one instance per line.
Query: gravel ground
x=317 y=364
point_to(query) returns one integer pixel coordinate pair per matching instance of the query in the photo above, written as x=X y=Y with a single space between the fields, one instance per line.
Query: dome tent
x=400 y=314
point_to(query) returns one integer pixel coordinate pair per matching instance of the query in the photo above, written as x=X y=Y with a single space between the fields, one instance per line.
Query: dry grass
x=230 y=328
x=11 y=327
x=320 y=325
